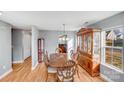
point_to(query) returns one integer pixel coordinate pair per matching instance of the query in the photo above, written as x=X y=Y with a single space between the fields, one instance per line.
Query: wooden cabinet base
x=91 y=67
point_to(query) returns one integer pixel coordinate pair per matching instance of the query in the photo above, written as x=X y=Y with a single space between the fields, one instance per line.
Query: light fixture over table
x=64 y=36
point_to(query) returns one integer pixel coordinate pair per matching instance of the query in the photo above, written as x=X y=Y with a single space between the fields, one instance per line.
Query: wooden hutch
x=89 y=50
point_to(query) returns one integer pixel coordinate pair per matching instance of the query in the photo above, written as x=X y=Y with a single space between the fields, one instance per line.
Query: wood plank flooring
x=24 y=73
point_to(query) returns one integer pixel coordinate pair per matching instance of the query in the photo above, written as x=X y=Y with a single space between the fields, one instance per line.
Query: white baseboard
x=27 y=57
x=35 y=66
x=20 y=61
x=106 y=78
x=6 y=73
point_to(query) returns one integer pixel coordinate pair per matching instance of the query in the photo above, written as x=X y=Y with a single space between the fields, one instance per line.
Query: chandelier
x=63 y=37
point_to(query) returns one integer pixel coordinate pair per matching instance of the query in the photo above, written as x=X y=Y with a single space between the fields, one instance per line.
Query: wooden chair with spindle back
x=75 y=56
x=58 y=50
x=66 y=74
x=51 y=71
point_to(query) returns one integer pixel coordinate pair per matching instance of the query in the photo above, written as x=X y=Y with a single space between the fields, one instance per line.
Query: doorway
x=40 y=49
x=63 y=48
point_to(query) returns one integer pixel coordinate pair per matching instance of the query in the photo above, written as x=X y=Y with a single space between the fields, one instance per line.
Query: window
x=117 y=58
x=108 y=55
x=109 y=38
x=113 y=47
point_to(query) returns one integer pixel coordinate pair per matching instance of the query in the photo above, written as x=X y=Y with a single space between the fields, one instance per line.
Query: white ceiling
x=53 y=20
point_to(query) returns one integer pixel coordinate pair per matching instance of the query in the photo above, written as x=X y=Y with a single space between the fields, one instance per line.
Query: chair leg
x=62 y=80
x=73 y=79
x=56 y=77
x=78 y=73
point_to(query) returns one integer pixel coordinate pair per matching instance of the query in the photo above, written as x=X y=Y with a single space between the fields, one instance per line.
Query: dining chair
x=75 y=57
x=51 y=71
x=66 y=74
x=58 y=50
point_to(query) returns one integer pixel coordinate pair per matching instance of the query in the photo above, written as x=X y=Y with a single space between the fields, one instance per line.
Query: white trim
x=27 y=57
x=20 y=61
x=106 y=78
x=114 y=47
x=35 y=66
x=6 y=73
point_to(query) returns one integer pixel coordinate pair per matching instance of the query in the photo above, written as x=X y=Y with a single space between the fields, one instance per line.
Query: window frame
x=104 y=46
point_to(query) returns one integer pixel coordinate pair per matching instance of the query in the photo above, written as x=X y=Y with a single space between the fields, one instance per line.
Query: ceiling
x=53 y=20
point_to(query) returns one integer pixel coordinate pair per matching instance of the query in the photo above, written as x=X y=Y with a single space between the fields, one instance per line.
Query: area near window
x=113 y=47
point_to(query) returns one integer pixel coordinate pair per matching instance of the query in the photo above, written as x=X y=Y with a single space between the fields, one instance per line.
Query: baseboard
x=6 y=73
x=106 y=78
x=20 y=61
x=27 y=57
x=35 y=66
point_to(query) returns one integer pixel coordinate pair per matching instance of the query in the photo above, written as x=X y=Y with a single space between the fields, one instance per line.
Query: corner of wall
x=35 y=66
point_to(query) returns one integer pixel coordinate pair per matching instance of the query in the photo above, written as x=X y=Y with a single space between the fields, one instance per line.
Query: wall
x=5 y=49
x=51 y=39
x=35 y=34
x=116 y=20
x=106 y=71
x=26 y=44
x=17 y=43
x=21 y=41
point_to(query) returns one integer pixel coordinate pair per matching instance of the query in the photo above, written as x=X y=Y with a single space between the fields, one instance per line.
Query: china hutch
x=89 y=50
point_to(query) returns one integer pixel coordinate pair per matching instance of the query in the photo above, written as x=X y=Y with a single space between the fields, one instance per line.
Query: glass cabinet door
x=79 y=43
x=89 y=39
x=96 y=46
x=85 y=43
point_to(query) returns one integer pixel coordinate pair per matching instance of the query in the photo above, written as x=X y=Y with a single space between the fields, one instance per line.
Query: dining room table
x=60 y=62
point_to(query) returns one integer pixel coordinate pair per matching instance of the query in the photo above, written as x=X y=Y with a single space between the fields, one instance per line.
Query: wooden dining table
x=61 y=63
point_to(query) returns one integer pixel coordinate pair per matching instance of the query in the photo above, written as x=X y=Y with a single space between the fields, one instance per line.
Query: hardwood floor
x=23 y=73
x=85 y=77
